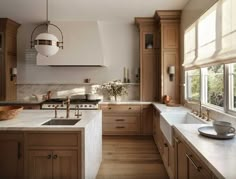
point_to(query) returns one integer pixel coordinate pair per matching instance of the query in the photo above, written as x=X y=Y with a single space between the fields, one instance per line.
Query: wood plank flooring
x=131 y=157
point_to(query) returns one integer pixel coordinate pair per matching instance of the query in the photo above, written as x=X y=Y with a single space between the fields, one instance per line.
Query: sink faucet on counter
x=67 y=102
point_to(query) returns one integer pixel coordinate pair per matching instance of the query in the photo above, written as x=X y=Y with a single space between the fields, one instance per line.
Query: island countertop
x=219 y=155
x=31 y=120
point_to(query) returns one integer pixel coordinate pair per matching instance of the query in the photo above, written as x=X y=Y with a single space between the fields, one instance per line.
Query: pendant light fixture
x=45 y=43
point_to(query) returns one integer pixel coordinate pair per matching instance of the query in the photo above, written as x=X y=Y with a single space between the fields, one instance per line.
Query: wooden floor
x=127 y=157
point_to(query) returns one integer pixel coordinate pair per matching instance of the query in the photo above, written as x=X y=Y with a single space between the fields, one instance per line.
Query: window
x=193 y=84
x=210 y=44
x=213 y=85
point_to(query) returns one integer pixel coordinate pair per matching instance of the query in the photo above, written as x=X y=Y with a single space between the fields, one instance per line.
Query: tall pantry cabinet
x=8 y=58
x=148 y=58
x=169 y=51
x=159 y=50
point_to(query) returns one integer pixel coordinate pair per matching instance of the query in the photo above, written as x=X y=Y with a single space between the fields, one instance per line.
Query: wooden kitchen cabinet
x=11 y=155
x=40 y=164
x=8 y=58
x=53 y=155
x=167 y=155
x=169 y=51
x=147 y=119
x=148 y=58
x=121 y=119
x=187 y=164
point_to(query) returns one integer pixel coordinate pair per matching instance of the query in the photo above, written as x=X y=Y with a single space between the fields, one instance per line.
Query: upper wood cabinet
x=8 y=58
x=169 y=25
x=11 y=155
x=148 y=35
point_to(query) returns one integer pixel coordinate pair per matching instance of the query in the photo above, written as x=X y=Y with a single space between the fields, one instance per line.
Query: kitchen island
x=32 y=150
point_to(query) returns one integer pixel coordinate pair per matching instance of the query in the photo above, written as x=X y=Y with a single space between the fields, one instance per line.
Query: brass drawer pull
x=120 y=120
x=165 y=144
x=177 y=140
x=190 y=158
x=109 y=108
x=120 y=127
x=130 y=108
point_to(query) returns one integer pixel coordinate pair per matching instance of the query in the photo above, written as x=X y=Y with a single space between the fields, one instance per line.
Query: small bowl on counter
x=9 y=112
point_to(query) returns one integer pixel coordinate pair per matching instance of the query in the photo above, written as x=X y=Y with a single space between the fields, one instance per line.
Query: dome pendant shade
x=46 y=44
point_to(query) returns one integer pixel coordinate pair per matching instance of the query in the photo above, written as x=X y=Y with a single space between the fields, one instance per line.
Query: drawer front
x=52 y=139
x=120 y=119
x=120 y=129
x=121 y=108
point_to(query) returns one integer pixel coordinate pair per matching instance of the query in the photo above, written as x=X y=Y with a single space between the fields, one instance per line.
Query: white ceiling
x=28 y=11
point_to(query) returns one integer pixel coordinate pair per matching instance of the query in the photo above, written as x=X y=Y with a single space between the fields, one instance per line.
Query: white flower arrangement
x=115 y=88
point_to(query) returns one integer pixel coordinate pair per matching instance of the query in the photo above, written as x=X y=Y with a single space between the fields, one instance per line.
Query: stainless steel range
x=82 y=104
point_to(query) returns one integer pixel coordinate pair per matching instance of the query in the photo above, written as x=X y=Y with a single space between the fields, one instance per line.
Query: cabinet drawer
x=53 y=139
x=121 y=128
x=195 y=165
x=120 y=119
x=120 y=108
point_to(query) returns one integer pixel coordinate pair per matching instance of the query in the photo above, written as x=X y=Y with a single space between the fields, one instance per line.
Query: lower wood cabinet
x=167 y=154
x=121 y=119
x=187 y=164
x=147 y=119
x=11 y=155
x=52 y=155
x=52 y=164
x=125 y=119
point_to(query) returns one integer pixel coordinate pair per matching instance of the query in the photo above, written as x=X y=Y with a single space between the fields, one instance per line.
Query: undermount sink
x=168 y=119
x=64 y=122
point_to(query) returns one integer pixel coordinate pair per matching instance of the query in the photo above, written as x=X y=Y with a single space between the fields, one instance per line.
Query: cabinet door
x=147 y=120
x=180 y=159
x=195 y=168
x=40 y=164
x=11 y=156
x=65 y=165
x=148 y=77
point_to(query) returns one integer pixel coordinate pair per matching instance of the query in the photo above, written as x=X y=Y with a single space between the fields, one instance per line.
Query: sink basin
x=168 y=119
x=64 y=122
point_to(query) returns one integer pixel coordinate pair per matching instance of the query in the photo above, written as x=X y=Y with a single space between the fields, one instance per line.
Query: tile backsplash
x=27 y=91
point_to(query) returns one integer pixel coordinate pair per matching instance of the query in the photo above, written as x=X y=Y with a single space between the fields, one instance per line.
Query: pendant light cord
x=47 y=14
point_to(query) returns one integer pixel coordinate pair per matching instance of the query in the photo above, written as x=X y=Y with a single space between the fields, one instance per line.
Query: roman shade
x=212 y=38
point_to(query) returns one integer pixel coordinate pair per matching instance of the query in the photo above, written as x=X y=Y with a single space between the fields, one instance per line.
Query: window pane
x=215 y=85
x=232 y=86
x=193 y=84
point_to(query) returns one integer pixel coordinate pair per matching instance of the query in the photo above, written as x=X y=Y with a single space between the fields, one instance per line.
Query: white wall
x=121 y=49
x=191 y=12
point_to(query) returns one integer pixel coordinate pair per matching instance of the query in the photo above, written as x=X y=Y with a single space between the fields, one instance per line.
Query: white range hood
x=82 y=45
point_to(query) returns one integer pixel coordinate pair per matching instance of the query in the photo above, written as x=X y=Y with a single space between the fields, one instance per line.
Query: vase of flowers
x=115 y=89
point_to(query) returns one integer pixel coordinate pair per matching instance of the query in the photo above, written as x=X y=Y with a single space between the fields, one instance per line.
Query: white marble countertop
x=30 y=120
x=219 y=155
x=125 y=102
x=163 y=108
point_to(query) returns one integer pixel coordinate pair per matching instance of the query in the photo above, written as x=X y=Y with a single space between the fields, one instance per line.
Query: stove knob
x=90 y=105
x=53 y=105
x=81 y=105
x=61 y=105
x=49 y=105
x=85 y=105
